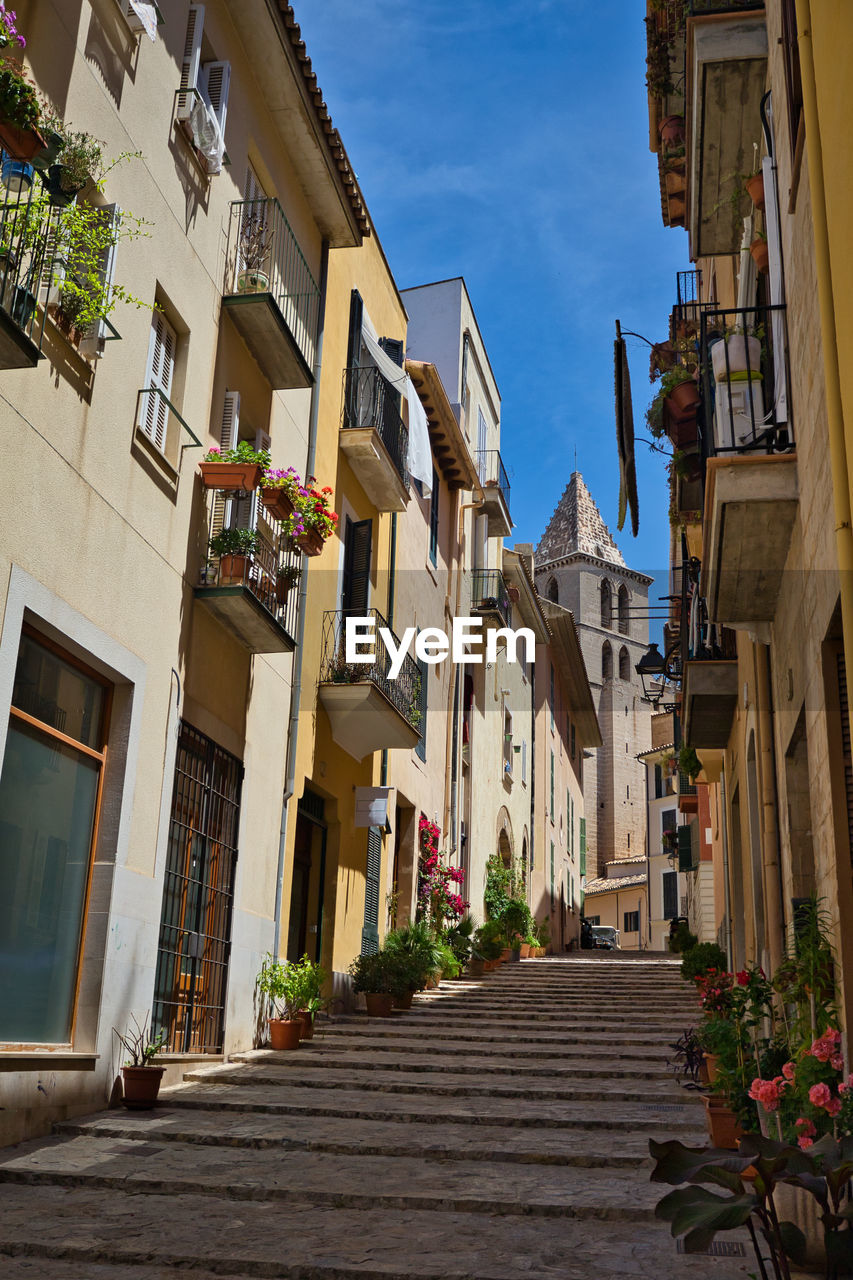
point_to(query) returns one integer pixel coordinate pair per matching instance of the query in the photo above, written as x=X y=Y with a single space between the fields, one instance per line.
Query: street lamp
x=652 y=670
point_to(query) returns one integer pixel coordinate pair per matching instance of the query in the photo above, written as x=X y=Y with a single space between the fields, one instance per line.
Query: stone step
x=359 y=1104
x=585 y=1148
x=456 y=1019
x=295 y=1069
x=418 y=1060
x=336 y=1181
x=270 y=1240
x=479 y=1032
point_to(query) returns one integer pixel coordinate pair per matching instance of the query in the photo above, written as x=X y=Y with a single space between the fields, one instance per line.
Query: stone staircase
x=497 y=1131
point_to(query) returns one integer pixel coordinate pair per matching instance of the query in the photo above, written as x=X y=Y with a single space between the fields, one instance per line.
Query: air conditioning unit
x=738 y=413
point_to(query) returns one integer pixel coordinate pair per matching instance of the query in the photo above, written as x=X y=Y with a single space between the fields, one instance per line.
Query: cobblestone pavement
x=497 y=1131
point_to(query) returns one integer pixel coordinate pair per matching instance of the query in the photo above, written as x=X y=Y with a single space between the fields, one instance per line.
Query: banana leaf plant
x=747 y=1179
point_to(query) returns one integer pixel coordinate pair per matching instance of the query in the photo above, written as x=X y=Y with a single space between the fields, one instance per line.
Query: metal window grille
x=198 y=896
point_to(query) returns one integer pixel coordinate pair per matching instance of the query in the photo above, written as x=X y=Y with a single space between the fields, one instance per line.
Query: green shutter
x=552 y=873
x=685 y=849
x=370 y=932
x=552 y=786
x=583 y=845
x=423 y=669
x=356 y=576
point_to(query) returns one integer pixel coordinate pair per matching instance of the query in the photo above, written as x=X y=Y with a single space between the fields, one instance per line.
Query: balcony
x=710 y=681
x=495 y=482
x=375 y=438
x=27 y=232
x=368 y=711
x=490 y=597
x=751 y=492
x=253 y=591
x=726 y=75
x=270 y=294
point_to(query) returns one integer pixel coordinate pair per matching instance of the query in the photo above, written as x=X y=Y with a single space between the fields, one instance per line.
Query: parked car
x=605 y=937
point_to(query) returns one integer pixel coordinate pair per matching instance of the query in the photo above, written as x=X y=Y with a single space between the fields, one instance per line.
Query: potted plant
x=286 y=578
x=236 y=470
x=255 y=237
x=313 y=521
x=671 y=130
x=375 y=976
x=279 y=490
x=235 y=548
x=312 y=979
x=418 y=941
x=688 y=762
x=73 y=164
x=140 y=1077
x=20 y=114
x=760 y=252
x=736 y=353
x=489 y=942
x=755 y=188
x=283 y=984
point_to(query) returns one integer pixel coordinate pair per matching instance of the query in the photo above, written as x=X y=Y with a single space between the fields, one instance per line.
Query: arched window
x=606 y=661
x=624 y=664
x=623 y=610
x=606 y=604
x=553 y=592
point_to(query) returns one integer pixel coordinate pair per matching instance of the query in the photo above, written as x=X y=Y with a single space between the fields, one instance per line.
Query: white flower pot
x=737 y=353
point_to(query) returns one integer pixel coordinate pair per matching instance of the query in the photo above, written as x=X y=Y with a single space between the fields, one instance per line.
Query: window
x=507 y=752
x=355 y=587
x=631 y=922
x=552 y=697
x=793 y=77
x=524 y=762
x=552 y=591
x=433 y=520
x=582 y=838
x=668 y=820
x=606 y=661
x=50 y=790
x=552 y=875
x=423 y=669
x=593 y=919
x=658 y=782
x=606 y=604
x=203 y=102
x=624 y=664
x=552 y=788
x=622 y=609
x=670 y=894
x=482 y=439
x=570 y=819
x=573 y=747
x=154 y=406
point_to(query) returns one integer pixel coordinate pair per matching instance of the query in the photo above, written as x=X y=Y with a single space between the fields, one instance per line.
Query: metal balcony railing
x=28 y=238
x=403 y=692
x=492 y=472
x=743 y=362
x=264 y=257
x=269 y=568
x=489 y=593
x=371 y=401
x=701 y=8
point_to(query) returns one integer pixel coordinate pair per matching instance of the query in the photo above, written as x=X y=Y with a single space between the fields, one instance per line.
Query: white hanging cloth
x=147 y=15
x=207 y=134
x=419 y=461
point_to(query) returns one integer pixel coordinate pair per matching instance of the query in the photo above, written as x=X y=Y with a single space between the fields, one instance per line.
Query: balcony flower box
x=234 y=476
x=23 y=144
x=276 y=501
x=311 y=542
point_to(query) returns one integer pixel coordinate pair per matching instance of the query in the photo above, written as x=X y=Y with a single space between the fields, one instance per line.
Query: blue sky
x=509 y=143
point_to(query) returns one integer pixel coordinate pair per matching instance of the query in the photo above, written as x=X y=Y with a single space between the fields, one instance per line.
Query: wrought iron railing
x=402 y=691
x=492 y=472
x=264 y=257
x=268 y=565
x=28 y=239
x=489 y=592
x=686 y=315
x=743 y=361
x=701 y=8
x=371 y=401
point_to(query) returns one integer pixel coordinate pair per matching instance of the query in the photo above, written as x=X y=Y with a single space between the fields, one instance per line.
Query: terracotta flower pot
x=241 y=476
x=723 y=1128
x=233 y=569
x=476 y=968
x=683 y=432
x=684 y=399
x=22 y=144
x=311 y=542
x=307 y=1029
x=755 y=189
x=140 y=1086
x=276 y=502
x=505 y=955
x=760 y=254
x=379 y=1004
x=284 y=1033
x=525 y=950
x=671 y=130
x=711 y=1061
x=404 y=1002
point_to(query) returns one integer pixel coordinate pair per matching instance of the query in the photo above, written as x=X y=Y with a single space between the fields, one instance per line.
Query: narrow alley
x=498 y=1130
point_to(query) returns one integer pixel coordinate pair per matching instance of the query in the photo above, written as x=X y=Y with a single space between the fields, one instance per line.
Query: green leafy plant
x=516 y=920
x=283 y=983
x=377 y=973
x=231 y=542
x=19 y=102
x=417 y=941
x=140 y=1044
x=489 y=940
x=683 y=940
x=312 y=979
x=243 y=453
x=700 y=958
x=688 y=762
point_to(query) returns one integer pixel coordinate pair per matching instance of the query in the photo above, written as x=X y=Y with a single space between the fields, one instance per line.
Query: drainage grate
x=721 y=1249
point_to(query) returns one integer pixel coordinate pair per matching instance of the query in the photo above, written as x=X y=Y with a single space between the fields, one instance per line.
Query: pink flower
x=788 y=1070
x=833 y=1107
x=819 y=1095
x=837 y=1061
x=742 y=978
x=804 y=1143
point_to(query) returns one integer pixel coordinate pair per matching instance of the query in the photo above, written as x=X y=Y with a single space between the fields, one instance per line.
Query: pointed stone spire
x=577 y=526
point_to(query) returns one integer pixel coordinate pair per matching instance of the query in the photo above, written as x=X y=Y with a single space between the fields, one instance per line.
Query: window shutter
x=93 y=343
x=423 y=669
x=228 y=436
x=777 y=288
x=214 y=83
x=370 y=932
x=153 y=412
x=356 y=580
x=433 y=519
x=524 y=761
x=356 y=314
x=846 y=750
x=140 y=16
x=670 y=894
x=582 y=838
x=685 y=849
x=191 y=60
x=245 y=511
x=481 y=444
x=393 y=348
